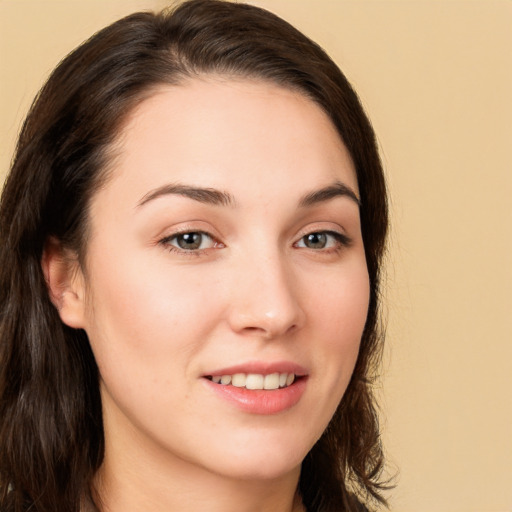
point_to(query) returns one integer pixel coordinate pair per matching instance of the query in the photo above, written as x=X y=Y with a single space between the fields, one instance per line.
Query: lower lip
x=261 y=401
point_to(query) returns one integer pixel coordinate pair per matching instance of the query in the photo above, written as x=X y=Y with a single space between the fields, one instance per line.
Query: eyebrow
x=201 y=194
x=220 y=198
x=337 y=189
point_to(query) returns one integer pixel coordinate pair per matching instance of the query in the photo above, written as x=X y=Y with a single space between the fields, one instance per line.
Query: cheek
x=142 y=318
x=341 y=304
x=146 y=327
x=341 y=310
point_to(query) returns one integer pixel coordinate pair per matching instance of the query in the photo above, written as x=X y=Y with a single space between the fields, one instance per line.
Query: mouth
x=256 y=381
x=267 y=393
x=259 y=387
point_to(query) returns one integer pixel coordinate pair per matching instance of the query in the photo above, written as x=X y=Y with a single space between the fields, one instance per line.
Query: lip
x=262 y=368
x=260 y=401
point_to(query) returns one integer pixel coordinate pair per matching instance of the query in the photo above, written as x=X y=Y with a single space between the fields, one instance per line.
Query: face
x=225 y=254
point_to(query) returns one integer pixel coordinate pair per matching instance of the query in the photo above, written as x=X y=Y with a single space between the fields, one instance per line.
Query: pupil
x=316 y=240
x=190 y=240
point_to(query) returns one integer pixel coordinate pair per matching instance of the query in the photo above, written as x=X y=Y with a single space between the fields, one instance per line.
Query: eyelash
x=166 y=242
x=341 y=241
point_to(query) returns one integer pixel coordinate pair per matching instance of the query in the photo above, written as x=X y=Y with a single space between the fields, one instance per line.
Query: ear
x=65 y=282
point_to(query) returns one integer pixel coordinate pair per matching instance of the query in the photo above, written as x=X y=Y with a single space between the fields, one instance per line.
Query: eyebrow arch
x=201 y=194
x=324 y=194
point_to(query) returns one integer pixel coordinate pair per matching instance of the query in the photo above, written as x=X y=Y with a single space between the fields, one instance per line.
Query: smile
x=258 y=393
x=255 y=380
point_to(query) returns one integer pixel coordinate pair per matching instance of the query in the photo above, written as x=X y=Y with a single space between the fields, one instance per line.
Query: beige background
x=436 y=78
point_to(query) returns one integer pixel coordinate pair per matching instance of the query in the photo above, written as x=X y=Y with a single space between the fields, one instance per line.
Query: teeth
x=238 y=380
x=271 y=381
x=225 y=379
x=256 y=380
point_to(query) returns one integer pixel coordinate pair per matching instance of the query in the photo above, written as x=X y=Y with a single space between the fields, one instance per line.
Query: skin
x=160 y=318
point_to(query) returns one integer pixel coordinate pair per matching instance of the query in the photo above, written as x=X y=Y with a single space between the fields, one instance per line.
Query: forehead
x=221 y=132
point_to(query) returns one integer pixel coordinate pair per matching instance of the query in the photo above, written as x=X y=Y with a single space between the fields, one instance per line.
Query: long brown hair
x=51 y=436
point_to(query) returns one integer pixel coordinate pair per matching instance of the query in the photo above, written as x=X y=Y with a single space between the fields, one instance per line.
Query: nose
x=265 y=301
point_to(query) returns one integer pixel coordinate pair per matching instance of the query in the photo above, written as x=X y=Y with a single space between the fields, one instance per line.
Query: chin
x=260 y=471
x=263 y=460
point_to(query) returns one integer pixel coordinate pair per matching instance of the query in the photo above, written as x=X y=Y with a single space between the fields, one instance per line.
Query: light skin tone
x=228 y=234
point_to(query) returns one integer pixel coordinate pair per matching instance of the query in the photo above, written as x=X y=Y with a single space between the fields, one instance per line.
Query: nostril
x=269 y=331
x=254 y=329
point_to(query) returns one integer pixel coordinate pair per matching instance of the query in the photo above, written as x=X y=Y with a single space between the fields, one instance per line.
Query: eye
x=190 y=241
x=323 y=240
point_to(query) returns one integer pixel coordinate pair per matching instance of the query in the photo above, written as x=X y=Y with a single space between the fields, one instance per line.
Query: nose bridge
x=266 y=300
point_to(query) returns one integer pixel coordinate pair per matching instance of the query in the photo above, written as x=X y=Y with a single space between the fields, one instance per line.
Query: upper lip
x=261 y=368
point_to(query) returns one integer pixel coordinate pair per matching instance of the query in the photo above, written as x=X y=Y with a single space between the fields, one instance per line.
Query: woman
x=191 y=237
